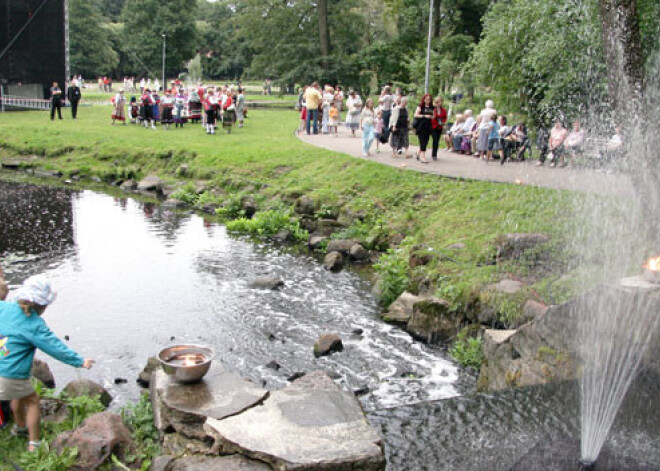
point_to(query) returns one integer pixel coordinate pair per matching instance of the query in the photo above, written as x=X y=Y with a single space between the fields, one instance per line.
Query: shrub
x=231 y=208
x=269 y=223
x=187 y=194
x=393 y=270
x=139 y=418
x=468 y=351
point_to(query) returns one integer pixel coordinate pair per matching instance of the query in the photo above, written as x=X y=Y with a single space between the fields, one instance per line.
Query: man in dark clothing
x=55 y=101
x=73 y=95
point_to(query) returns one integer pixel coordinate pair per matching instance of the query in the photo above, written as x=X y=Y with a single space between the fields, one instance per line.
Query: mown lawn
x=267 y=160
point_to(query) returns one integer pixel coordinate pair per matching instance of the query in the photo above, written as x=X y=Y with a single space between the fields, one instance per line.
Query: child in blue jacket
x=22 y=331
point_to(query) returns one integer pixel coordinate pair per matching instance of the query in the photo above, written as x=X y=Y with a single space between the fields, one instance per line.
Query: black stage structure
x=33 y=46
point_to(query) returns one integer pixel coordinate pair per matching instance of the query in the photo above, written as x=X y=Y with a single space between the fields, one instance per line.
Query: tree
x=224 y=54
x=91 y=46
x=111 y=9
x=145 y=23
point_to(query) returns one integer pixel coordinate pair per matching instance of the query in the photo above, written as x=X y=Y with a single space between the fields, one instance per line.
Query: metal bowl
x=198 y=358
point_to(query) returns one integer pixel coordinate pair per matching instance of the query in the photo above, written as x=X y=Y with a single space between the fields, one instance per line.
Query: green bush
x=187 y=194
x=139 y=418
x=393 y=270
x=43 y=459
x=231 y=208
x=468 y=351
x=269 y=223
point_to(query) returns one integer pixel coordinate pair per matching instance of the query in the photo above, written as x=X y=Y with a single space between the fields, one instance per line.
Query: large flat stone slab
x=311 y=424
x=185 y=407
x=223 y=463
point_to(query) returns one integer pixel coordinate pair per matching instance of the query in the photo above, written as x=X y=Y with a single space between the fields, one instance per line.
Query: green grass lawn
x=265 y=159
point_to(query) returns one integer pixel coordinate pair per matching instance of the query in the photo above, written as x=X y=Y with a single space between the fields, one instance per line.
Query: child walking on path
x=22 y=331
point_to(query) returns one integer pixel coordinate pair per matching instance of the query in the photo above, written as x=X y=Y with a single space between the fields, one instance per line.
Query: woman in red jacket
x=437 y=123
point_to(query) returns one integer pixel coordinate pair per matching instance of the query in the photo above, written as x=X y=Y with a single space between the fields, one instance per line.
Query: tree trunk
x=324 y=34
x=623 y=55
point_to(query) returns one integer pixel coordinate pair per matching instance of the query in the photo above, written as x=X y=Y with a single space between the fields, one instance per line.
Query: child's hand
x=87 y=364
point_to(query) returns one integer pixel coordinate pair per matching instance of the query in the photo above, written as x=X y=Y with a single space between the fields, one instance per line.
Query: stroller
x=516 y=142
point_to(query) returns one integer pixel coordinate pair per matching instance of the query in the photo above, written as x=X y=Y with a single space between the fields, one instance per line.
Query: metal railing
x=8 y=101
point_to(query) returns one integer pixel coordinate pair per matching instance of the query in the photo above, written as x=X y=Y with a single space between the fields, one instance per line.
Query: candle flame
x=189 y=360
x=653 y=264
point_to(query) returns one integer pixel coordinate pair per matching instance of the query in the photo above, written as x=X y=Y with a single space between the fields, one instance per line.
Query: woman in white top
x=354 y=105
x=328 y=98
x=367 y=125
x=119 y=107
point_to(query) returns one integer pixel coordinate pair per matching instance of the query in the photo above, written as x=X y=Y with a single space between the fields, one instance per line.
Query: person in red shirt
x=211 y=109
x=437 y=123
x=228 y=111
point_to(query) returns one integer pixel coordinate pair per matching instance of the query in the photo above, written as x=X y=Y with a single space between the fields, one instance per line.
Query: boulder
x=223 y=463
x=304 y=205
x=86 y=387
x=183 y=170
x=308 y=223
x=53 y=410
x=512 y=246
x=359 y=253
x=326 y=344
x=271 y=283
x=333 y=261
x=129 y=185
x=457 y=246
x=283 y=236
x=507 y=286
x=47 y=173
x=342 y=246
x=12 y=164
x=98 y=437
x=184 y=407
x=161 y=463
x=248 y=206
x=145 y=375
x=41 y=371
x=151 y=183
x=174 y=203
x=401 y=310
x=420 y=258
x=327 y=227
x=548 y=348
x=531 y=310
x=309 y=425
x=433 y=322
x=315 y=242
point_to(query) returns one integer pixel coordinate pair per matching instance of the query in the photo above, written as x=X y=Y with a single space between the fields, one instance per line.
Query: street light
x=164 y=57
x=428 y=49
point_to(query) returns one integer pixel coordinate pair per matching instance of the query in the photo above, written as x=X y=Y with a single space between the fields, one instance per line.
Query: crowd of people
x=486 y=136
x=178 y=105
x=388 y=120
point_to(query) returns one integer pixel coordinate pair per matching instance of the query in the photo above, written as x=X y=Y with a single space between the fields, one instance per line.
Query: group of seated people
x=559 y=144
x=489 y=136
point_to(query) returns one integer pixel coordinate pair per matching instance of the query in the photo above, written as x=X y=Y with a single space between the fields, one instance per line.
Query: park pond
x=133 y=276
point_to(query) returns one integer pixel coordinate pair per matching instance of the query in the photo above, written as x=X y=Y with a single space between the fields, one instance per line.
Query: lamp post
x=428 y=49
x=164 y=57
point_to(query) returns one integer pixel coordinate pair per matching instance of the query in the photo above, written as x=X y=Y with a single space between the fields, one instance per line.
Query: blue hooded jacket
x=21 y=335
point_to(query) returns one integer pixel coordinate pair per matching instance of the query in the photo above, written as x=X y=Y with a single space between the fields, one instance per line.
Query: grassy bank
x=265 y=160
x=138 y=417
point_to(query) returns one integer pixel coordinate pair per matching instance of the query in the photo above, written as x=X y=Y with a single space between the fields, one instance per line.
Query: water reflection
x=36 y=226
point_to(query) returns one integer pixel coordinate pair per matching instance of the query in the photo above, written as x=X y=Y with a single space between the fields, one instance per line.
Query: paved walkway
x=463 y=166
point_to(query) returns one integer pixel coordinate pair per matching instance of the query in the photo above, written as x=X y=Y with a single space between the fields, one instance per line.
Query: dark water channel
x=131 y=276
